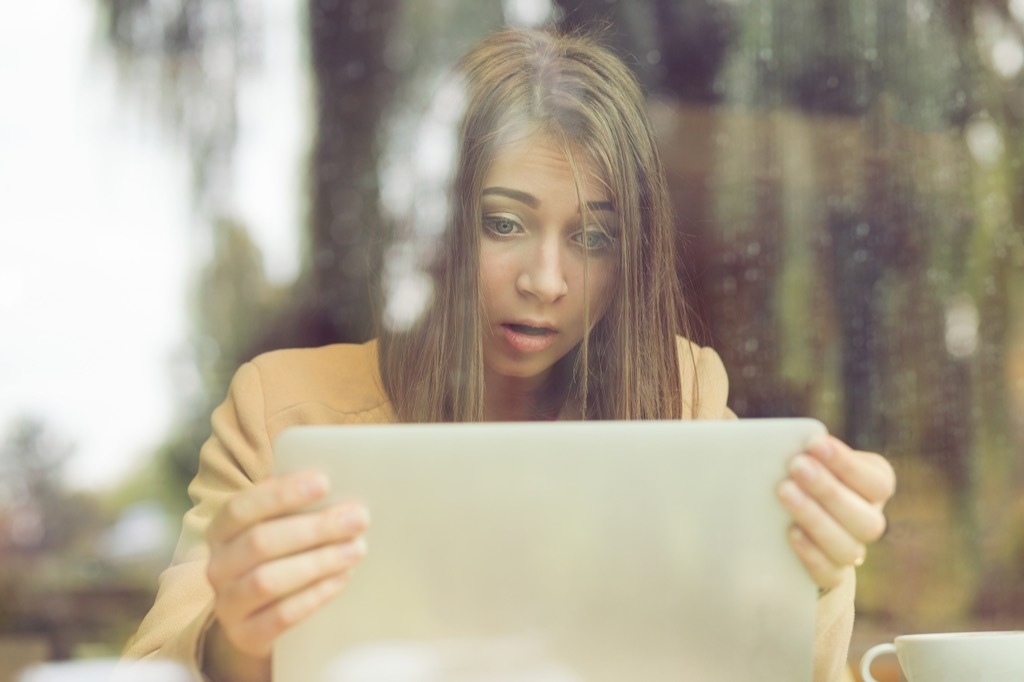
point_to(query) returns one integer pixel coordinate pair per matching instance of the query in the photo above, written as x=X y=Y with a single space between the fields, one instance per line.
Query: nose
x=542 y=274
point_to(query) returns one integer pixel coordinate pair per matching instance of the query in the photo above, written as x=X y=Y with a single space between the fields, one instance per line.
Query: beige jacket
x=340 y=384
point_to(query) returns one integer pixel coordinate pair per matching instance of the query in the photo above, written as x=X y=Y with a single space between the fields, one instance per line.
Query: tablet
x=560 y=552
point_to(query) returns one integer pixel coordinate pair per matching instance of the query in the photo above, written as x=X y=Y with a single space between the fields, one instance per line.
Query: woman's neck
x=512 y=399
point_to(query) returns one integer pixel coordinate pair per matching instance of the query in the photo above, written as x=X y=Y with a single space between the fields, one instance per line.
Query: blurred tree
x=235 y=312
x=193 y=53
x=32 y=491
x=676 y=48
x=45 y=531
x=233 y=306
x=354 y=86
x=184 y=60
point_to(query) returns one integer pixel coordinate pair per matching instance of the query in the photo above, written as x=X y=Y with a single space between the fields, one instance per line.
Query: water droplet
x=1008 y=56
x=527 y=13
x=984 y=141
x=962 y=320
x=919 y=11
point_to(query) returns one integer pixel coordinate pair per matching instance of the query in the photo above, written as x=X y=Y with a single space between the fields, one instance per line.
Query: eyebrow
x=534 y=202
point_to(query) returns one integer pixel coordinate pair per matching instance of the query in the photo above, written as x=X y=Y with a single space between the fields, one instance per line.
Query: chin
x=521 y=369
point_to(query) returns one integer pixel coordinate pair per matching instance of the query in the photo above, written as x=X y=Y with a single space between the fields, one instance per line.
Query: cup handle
x=869 y=657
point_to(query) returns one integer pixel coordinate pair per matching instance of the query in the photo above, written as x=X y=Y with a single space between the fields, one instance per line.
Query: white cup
x=954 y=657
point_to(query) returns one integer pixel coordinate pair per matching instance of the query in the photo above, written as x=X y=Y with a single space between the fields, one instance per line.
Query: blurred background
x=186 y=183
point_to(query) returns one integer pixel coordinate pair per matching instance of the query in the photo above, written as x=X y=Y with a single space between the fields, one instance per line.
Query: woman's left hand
x=836 y=496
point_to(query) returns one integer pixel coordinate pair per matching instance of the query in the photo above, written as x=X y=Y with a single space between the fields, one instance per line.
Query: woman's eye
x=501 y=225
x=594 y=240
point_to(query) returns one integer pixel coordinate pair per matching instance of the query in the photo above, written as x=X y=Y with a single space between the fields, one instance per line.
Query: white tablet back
x=560 y=552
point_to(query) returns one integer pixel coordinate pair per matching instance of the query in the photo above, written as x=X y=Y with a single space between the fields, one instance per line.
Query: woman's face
x=532 y=251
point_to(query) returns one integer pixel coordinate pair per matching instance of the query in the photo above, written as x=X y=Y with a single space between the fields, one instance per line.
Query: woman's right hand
x=272 y=565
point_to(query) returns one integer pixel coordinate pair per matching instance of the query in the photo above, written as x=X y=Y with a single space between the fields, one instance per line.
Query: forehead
x=536 y=163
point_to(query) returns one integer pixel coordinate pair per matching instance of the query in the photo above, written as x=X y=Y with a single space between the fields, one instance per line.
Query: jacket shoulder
x=703 y=381
x=343 y=377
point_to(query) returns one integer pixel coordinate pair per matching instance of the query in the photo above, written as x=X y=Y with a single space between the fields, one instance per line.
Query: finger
x=269 y=499
x=256 y=634
x=278 y=580
x=823 y=571
x=281 y=537
x=832 y=539
x=861 y=519
x=868 y=474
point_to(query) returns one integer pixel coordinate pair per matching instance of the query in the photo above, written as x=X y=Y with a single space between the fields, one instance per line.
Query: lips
x=528 y=337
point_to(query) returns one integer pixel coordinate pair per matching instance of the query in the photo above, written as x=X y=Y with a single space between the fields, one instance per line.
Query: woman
x=555 y=297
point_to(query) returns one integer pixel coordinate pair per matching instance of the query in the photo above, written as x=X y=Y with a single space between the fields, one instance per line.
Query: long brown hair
x=581 y=95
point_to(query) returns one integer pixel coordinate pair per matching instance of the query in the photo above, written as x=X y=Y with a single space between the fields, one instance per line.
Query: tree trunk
x=353 y=89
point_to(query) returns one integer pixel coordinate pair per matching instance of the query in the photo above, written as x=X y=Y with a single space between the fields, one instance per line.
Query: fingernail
x=821 y=447
x=802 y=467
x=355 y=549
x=790 y=492
x=314 y=486
x=797 y=535
x=353 y=519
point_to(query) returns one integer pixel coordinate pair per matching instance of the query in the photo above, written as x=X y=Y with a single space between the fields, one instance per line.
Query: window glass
x=848 y=186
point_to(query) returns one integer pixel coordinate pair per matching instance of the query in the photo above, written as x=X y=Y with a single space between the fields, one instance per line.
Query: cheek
x=493 y=274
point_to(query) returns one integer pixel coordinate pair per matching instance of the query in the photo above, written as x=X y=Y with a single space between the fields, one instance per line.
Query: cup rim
x=979 y=634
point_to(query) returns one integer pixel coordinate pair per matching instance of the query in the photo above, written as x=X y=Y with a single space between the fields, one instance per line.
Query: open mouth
x=527 y=338
x=527 y=329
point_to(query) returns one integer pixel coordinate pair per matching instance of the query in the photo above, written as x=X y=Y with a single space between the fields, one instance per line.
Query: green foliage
x=234 y=311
